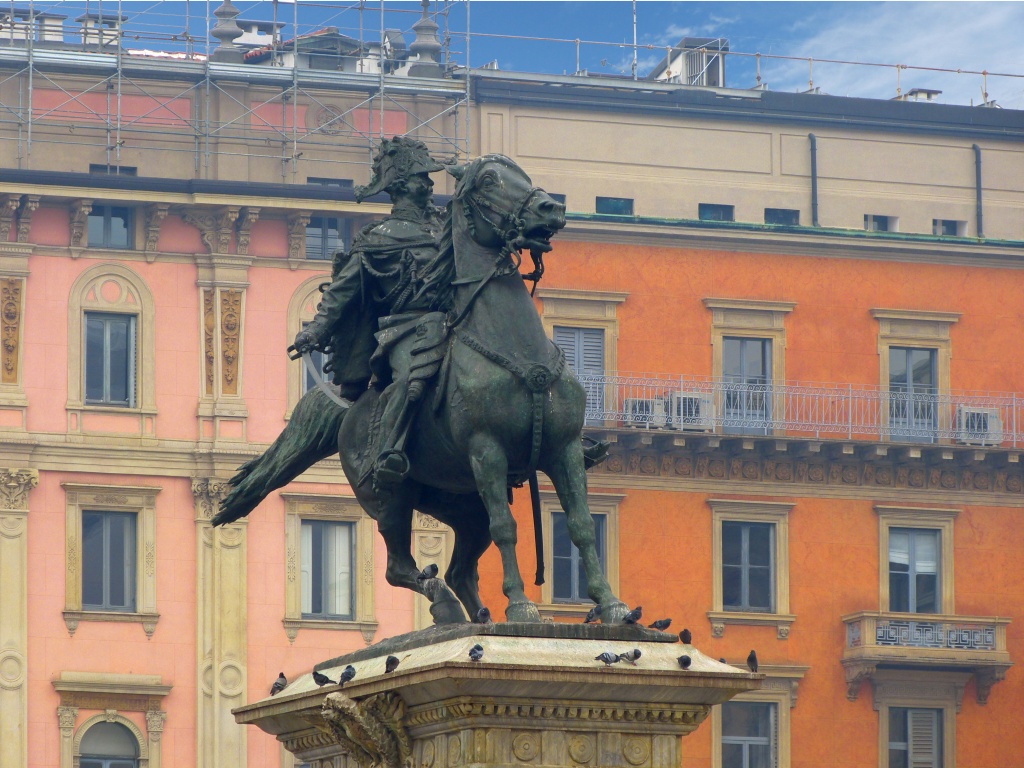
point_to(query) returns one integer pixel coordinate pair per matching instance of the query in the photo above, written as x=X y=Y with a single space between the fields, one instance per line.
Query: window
x=912 y=394
x=110 y=227
x=873 y=222
x=749 y=734
x=914 y=570
x=570 y=580
x=615 y=206
x=327 y=554
x=949 y=228
x=747 y=385
x=319 y=359
x=714 y=212
x=324 y=236
x=785 y=216
x=113 y=170
x=584 y=352
x=108 y=561
x=109 y=745
x=325 y=182
x=750 y=561
x=109 y=359
x=915 y=738
x=748 y=551
x=558 y=197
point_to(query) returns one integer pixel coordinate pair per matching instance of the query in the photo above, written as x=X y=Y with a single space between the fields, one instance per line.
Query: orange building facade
x=795 y=316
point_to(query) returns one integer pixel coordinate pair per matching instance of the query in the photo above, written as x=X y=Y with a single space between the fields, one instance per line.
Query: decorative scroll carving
x=984 y=679
x=209 y=324
x=8 y=206
x=855 y=674
x=370 y=730
x=215 y=226
x=10 y=327
x=155 y=214
x=297 y=223
x=66 y=717
x=80 y=210
x=230 y=331
x=29 y=204
x=14 y=487
x=208 y=493
x=248 y=216
x=155 y=724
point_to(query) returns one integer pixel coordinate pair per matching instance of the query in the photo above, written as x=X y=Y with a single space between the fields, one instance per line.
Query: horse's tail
x=311 y=435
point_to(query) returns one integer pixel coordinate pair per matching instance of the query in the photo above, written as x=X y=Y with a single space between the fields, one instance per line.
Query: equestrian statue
x=446 y=391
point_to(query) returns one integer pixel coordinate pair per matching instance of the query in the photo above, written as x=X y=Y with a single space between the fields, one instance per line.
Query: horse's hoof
x=614 y=613
x=523 y=613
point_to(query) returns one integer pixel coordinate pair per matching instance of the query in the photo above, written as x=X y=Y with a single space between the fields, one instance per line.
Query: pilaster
x=13 y=273
x=221 y=624
x=15 y=485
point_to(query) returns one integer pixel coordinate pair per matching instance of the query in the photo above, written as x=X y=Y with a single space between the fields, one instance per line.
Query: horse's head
x=502 y=206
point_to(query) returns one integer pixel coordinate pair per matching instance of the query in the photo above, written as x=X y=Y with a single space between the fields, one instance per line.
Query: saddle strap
x=538 y=379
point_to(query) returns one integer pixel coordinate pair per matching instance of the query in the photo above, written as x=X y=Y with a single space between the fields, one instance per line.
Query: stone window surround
x=301 y=309
x=584 y=309
x=735 y=510
x=780 y=687
x=145 y=311
x=113 y=498
x=306 y=506
x=917 y=517
x=924 y=689
x=606 y=504
x=114 y=694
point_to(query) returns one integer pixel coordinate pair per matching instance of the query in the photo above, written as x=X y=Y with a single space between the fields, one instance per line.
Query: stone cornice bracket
x=80 y=210
x=856 y=673
x=246 y=218
x=66 y=717
x=8 y=207
x=985 y=678
x=370 y=730
x=297 y=223
x=14 y=487
x=215 y=225
x=155 y=720
x=155 y=214
x=209 y=492
x=29 y=204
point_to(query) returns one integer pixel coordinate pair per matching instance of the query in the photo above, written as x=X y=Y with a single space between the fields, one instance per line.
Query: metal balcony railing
x=809 y=410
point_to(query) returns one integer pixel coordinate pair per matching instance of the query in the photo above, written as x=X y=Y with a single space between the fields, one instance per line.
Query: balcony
x=848 y=412
x=876 y=639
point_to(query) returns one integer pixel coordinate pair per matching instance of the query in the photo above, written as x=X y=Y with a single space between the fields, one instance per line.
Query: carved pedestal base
x=542 y=701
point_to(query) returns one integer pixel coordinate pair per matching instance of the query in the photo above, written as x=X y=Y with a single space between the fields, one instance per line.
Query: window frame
x=129 y=565
x=958 y=224
x=106 y=212
x=912 y=574
x=776 y=212
x=604 y=504
x=742 y=511
x=745 y=573
x=892 y=223
x=919 y=690
x=773 y=738
x=301 y=311
x=920 y=518
x=131 y=375
x=723 y=212
x=304 y=506
x=137 y=500
x=576 y=597
x=344 y=227
x=326 y=524
x=601 y=199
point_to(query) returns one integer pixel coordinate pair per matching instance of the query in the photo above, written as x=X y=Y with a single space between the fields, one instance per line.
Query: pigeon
x=752 y=662
x=630 y=656
x=593 y=614
x=476 y=652
x=685 y=637
x=661 y=624
x=322 y=680
x=430 y=572
x=633 y=616
x=723 y=660
x=608 y=658
x=279 y=684
x=684 y=661
x=483 y=616
x=391 y=664
x=347 y=674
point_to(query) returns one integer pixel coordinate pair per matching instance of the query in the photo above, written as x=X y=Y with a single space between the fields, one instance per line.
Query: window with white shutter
x=584 y=352
x=915 y=738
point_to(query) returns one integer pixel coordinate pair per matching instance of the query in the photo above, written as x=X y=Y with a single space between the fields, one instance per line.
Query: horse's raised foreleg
x=565 y=468
x=490 y=470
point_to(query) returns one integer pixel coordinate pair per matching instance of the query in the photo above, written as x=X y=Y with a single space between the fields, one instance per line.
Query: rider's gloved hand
x=308 y=339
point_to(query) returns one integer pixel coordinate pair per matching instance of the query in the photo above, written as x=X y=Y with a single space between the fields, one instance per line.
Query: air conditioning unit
x=693 y=411
x=644 y=412
x=978 y=426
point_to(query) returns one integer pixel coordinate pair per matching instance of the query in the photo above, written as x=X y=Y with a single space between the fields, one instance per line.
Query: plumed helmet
x=396 y=159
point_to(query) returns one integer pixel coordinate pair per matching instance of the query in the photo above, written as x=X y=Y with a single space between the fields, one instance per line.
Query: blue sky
x=945 y=35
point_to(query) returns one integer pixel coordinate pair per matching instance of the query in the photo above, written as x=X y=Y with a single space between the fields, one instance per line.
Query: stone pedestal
x=537 y=698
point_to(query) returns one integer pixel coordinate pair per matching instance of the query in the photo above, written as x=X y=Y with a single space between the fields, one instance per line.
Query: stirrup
x=391 y=468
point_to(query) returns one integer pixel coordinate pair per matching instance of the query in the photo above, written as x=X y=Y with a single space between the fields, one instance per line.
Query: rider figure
x=382 y=317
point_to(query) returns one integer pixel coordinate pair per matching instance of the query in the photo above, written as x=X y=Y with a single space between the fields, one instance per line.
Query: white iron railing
x=797 y=409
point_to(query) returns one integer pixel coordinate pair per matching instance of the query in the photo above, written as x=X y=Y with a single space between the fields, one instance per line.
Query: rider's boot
x=392 y=464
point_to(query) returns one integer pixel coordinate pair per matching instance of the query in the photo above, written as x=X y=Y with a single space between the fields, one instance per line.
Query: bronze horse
x=503 y=406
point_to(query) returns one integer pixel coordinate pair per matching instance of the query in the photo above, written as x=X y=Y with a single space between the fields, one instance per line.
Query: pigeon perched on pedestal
x=483 y=616
x=430 y=572
x=684 y=661
x=630 y=656
x=391 y=664
x=686 y=637
x=752 y=662
x=347 y=674
x=476 y=652
x=593 y=614
x=608 y=658
x=661 y=624
x=322 y=680
x=279 y=685
x=633 y=616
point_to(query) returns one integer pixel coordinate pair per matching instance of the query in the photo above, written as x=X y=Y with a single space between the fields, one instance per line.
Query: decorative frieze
x=10 y=327
x=209 y=328
x=230 y=334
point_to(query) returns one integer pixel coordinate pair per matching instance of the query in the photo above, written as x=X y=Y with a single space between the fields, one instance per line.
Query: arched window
x=109 y=745
x=301 y=310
